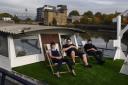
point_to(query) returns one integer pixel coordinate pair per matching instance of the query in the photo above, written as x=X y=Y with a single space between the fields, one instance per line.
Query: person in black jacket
x=72 y=51
x=93 y=51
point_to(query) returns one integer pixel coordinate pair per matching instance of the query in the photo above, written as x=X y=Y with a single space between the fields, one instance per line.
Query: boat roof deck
x=20 y=28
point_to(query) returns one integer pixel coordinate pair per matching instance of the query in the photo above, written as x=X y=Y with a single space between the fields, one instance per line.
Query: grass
x=107 y=74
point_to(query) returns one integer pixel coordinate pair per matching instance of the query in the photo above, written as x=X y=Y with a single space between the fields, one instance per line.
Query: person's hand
x=93 y=49
x=58 y=58
x=72 y=46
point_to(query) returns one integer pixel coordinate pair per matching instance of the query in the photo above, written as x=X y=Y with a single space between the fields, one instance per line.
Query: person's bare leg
x=73 y=56
x=85 y=60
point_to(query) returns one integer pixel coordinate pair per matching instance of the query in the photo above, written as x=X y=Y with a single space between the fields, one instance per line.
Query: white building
x=72 y=19
x=23 y=44
x=7 y=19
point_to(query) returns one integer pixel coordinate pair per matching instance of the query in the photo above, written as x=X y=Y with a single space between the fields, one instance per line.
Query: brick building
x=50 y=15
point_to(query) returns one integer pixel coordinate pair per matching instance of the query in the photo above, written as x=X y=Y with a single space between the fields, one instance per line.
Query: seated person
x=92 y=50
x=57 y=58
x=72 y=51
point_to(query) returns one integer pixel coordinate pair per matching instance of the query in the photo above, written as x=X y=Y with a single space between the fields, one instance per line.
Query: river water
x=102 y=39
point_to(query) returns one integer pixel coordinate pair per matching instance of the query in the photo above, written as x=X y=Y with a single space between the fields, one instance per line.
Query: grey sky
x=107 y=6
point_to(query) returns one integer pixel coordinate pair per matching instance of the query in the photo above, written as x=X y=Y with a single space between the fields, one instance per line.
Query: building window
x=3 y=46
x=27 y=45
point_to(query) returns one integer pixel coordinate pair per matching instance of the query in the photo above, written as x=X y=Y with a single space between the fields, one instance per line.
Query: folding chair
x=51 y=64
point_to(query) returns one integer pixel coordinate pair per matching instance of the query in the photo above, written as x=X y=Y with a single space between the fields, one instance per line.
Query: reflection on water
x=102 y=39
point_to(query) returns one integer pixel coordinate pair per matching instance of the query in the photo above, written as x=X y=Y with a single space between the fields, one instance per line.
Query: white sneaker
x=58 y=74
x=73 y=72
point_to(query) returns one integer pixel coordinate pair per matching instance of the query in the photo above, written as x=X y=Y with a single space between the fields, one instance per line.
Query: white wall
x=5 y=62
x=24 y=60
x=7 y=18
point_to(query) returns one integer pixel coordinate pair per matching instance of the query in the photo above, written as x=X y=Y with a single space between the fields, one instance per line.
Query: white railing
x=117 y=43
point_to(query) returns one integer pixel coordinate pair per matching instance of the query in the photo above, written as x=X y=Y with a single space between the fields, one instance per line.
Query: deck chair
x=51 y=64
x=76 y=57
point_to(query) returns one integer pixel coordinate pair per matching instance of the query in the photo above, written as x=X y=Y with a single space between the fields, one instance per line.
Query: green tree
x=98 y=14
x=76 y=22
x=28 y=20
x=5 y=15
x=88 y=14
x=107 y=18
x=74 y=13
x=84 y=20
x=16 y=19
x=98 y=18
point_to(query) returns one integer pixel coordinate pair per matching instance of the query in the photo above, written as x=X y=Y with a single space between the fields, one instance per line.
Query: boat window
x=28 y=45
x=64 y=37
x=3 y=46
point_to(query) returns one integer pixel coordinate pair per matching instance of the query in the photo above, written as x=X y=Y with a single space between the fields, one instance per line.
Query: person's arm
x=54 y=57
x=65 y=48
x=88 y=47
x=74 y=46
x=94 y=47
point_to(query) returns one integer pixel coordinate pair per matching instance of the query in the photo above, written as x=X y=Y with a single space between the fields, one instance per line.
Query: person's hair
x=89 y=40
x=68 y=39
x=52 y=43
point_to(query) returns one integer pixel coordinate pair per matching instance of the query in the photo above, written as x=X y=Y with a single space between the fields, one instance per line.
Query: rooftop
x=21 y=28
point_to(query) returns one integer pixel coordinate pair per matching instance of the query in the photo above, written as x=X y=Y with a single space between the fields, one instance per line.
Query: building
x=7 y=19
x=40 y=12
x=23 y=44
x=50 y=15
x=72 y=19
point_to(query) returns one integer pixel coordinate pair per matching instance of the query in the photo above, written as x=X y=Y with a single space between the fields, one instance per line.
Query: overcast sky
x=107 y=6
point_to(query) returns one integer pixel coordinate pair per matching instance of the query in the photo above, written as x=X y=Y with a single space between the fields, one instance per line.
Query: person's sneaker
x=58 y=74
x=88 y=66
x=73 y=72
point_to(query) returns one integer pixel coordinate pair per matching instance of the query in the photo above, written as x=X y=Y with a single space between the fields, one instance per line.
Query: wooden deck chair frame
x=51 y=64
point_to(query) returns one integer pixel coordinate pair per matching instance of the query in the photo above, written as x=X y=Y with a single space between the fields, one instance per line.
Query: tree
x=98 y=14
x=107 y=18
x=74 y=13
x=98 y=18
x=88 y=14
x=16 y=19
x=5 y=15
x=84 y=20
x=28 y=20
x=76 y=22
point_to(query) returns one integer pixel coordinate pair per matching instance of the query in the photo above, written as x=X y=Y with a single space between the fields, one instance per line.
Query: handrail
x=108 y=49
x=103 y=48
x=11 y=75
